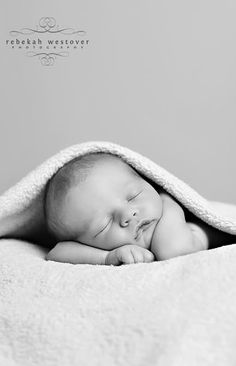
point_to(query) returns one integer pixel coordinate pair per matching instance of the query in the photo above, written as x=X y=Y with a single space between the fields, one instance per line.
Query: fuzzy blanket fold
x=21 y=207
x=180 y=312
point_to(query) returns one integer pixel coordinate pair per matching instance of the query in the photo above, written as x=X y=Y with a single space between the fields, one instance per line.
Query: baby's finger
x=138 y=256
x=149 y=257
x=127 y=258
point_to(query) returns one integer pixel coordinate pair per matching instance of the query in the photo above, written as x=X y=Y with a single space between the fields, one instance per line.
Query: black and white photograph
x=117 y=192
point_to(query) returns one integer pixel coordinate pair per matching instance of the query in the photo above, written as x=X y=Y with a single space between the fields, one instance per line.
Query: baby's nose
x=127 y=217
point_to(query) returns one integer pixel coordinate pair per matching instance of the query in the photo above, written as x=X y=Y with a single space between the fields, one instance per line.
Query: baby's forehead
x=112 y=171
x=121 y=167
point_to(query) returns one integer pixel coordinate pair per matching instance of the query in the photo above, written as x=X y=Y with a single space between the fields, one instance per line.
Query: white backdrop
x=156 y=76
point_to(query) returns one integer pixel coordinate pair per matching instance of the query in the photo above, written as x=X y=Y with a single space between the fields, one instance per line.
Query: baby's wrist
x=109 y=258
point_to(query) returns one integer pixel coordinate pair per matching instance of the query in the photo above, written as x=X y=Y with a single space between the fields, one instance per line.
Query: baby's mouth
x=145 y=225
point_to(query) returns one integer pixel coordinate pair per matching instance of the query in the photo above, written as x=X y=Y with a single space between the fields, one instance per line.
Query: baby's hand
x=129 y=254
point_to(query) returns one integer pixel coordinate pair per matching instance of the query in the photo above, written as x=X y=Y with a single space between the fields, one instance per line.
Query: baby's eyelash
x=103 y=229
x=130 y=199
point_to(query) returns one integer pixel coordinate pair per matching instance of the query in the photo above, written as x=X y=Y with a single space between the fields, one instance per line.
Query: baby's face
x=104 y=210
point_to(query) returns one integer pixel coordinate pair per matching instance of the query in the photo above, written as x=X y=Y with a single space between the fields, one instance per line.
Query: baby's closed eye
x=134 y=196
x=131 y=198
x=102 y=230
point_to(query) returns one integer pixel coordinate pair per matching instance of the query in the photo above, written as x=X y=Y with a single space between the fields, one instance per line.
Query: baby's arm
x=173 y=236
x=77 y=253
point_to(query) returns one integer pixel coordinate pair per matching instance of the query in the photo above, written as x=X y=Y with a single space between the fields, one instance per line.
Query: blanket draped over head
x=175 y=312
x=22 y=206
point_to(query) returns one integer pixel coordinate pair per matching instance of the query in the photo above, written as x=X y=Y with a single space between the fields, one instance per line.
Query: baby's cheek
x=117 y=238
x=154 y=205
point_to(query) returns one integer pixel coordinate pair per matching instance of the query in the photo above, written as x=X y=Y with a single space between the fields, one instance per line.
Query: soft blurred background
x=158 y=77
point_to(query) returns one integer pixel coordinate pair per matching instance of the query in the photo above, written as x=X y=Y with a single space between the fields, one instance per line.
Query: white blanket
x=176 y=312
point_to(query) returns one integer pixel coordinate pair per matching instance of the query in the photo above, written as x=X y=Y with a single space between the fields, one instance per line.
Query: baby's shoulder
x=171 y=208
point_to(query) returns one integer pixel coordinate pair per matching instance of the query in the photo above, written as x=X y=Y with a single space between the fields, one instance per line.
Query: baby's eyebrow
x=130 y=185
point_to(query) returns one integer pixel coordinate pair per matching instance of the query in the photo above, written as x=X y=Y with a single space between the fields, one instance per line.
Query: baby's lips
x=143 y=228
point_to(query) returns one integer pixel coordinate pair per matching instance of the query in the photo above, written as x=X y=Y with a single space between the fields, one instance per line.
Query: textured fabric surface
x=171 y=313
x=180 y=312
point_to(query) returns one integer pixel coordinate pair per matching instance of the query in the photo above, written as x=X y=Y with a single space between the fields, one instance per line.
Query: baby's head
x=99 y=200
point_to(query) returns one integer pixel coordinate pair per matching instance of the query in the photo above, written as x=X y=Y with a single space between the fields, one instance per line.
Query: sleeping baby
x=102 y=211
